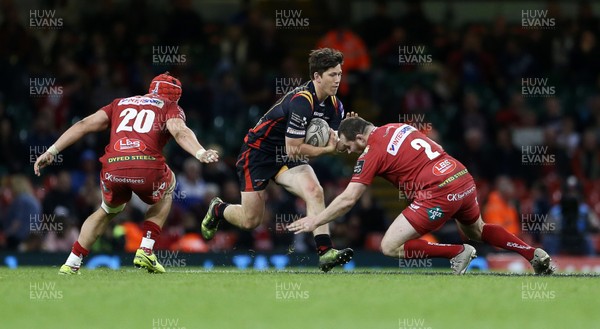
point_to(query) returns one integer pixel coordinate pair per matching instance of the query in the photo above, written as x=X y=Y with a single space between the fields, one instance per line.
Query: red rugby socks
x=76 y=256
x=151 y=231
x=498 y=236
x=419 y=248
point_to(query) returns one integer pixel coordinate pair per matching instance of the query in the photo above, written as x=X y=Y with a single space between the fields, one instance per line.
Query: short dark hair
x=350 y=127
x=322 y=59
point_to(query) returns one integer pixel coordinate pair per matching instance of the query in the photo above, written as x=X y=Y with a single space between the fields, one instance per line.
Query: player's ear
x=360 y=137
x=317 y=77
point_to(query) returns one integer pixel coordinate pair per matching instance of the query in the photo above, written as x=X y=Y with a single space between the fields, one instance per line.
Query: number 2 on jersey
x=142 y=123
x=417 y=143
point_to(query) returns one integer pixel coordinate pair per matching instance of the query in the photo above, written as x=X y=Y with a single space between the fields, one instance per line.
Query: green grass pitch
x=37 y=297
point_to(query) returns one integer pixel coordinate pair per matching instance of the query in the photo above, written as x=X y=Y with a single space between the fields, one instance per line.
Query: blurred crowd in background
x=535 y=157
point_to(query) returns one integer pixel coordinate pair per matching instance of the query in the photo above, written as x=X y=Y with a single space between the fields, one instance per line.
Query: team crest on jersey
x=443 y=167
x=129 y=145
x=359 y=166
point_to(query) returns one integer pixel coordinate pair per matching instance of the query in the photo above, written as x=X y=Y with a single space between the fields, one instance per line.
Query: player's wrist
x=53 y=150
x=200 y=153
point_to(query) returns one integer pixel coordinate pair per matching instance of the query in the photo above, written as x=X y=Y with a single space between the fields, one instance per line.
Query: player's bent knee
x=314 y=192
x=250 y=223
x=474 y=231
x=112 y=210
x=390 y=249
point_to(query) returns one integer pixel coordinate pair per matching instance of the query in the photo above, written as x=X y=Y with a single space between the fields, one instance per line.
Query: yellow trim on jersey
x=334 y=102
x=306 y=94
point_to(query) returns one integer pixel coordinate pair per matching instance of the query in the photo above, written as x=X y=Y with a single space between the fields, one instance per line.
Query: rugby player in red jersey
x=442 y=189
x=140 y=126
x=275 y=150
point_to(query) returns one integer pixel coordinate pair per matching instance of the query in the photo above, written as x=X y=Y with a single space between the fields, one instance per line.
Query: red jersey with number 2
x=408 y=159
x=138 y=131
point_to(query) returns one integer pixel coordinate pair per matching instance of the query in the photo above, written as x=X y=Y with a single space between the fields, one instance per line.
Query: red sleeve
x=108 y=109
x=175 y=111
x=367 y=167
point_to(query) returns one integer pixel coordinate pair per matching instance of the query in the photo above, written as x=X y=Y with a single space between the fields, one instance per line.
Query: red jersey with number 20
x=408 y=159
x=138 y=131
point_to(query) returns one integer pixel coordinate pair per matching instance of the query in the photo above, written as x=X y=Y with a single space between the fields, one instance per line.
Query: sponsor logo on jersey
x=129 y=145
x=293 y=131
x=322 y=116
x=443 y=167
x=461 y=195
x=398 y=138
x=142 y=101
x=435 y=213
x=131 y=158
x=119 y=179
x=359 y=167
x=298 y=121
x=413 y=206
x=453 y=178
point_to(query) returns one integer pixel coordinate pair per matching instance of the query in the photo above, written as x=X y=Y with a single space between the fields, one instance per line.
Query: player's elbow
x=347 y=203
x=180 y=134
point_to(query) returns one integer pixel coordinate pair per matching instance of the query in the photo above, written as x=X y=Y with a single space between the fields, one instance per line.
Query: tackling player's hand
x=351 y=114
x=42 y=161
x=306 y=224
x=332 y=143
x=209 y=156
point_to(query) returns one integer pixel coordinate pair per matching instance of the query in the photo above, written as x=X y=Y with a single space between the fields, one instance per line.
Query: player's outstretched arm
x=92 y=123
x=186 y=138
x=338 y=207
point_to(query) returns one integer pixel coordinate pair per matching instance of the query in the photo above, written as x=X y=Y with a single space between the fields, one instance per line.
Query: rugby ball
x=317 y=133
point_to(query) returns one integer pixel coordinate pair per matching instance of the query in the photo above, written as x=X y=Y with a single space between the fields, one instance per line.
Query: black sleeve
x=300 y=113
